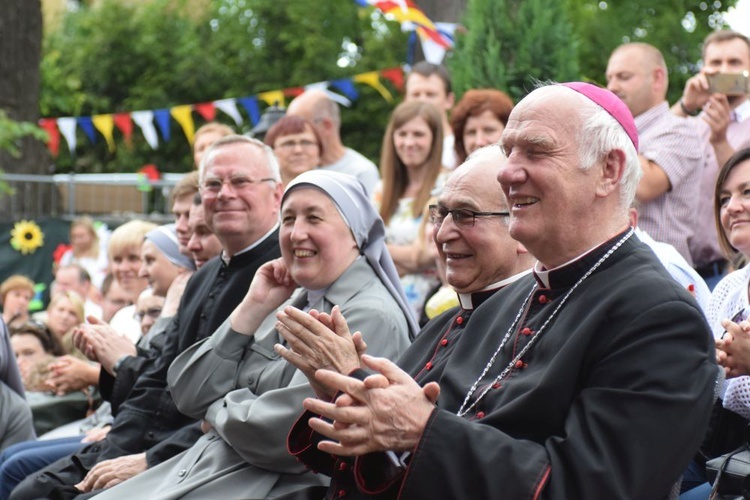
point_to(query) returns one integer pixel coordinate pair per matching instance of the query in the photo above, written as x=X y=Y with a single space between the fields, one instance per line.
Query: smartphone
x=729 y=83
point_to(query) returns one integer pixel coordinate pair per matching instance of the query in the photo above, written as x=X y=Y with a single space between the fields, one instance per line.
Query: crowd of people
x=536 y=300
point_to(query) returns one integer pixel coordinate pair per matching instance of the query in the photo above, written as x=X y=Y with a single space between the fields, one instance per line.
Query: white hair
x=600 y=134
x=272 y=163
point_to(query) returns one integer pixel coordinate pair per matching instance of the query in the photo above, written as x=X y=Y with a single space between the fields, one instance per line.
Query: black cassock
x=611 y=401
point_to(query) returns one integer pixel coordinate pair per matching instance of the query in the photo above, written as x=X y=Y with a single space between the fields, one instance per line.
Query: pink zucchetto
x=611 y=104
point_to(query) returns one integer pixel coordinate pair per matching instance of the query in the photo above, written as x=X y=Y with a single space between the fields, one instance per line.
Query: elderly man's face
x=244 y=207
x=477 y=256
x=550 y=197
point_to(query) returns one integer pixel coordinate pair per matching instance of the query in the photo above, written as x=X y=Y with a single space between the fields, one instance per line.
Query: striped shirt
x=673 y=144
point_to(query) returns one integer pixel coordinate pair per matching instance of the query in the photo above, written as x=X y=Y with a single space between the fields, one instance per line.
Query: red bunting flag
x=146 y=175
x=396 y=76
x=293 y=91
x=53 y=135
x=207 y=110
x=125 y=125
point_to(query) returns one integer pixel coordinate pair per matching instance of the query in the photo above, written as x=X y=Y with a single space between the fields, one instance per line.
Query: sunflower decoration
x=26 y=237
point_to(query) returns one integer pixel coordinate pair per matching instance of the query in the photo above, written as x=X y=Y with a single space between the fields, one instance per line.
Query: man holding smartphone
x=724 y=126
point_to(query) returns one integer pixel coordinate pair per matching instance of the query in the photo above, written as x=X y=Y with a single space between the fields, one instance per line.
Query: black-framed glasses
x=462 y=217
x=212 y=185
x=151 y=312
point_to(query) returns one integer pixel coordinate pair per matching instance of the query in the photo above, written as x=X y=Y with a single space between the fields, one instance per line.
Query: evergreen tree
x=510 y=44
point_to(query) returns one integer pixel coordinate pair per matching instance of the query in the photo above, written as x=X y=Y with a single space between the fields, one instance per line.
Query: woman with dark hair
x=35 y=347
x=297 y=146
x=479 y=119
x=729 y=302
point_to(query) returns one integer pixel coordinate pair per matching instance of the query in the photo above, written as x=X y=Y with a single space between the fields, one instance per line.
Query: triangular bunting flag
x=145 y=120
x=323 y=86
x=162 y=121
x=396 y=76
x=49 y=125
x=207 y=110
x=373 y=80
x=106 y=126
x=346 y=87
x=273 y=97
x=88 y=127
x=67 y=126
x=125 y=125
x=251 y=106
x=293 y=91
x=229 y=106
x=184 y=116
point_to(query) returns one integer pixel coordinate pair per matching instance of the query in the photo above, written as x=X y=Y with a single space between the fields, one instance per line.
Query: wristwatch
x=687 y=111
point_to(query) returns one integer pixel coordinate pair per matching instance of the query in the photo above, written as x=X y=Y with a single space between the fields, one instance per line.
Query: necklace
x=464 y=409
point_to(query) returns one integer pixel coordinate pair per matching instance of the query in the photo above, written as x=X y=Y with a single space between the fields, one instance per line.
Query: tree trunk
x=20 y=55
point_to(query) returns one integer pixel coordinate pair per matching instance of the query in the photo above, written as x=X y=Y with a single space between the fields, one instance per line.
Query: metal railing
x=108 y=197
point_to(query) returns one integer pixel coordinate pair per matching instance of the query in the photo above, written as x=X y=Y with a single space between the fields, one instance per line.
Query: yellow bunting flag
x=105 y=124
x=373 y=80
x=273 y=97
x=184 y=116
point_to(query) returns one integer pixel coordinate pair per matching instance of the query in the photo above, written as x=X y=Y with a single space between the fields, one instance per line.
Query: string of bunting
x=148 y=120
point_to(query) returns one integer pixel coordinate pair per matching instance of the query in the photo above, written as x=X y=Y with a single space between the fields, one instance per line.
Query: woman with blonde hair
x=86 y=250
x=15 y=294
x=410 y=166
x=64 y=312
x=125 y=262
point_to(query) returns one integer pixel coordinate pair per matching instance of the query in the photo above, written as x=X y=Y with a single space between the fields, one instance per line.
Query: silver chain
x=464 y=410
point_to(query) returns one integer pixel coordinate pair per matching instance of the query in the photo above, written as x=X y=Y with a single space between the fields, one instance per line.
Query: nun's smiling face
x=316 y=244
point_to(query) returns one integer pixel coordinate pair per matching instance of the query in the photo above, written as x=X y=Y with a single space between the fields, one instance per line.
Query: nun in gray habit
x=248 y=397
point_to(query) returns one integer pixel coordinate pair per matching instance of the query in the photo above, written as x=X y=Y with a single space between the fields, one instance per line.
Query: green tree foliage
x=508 y=44
x=676 y=27
x=11 y=133
x=158 y=54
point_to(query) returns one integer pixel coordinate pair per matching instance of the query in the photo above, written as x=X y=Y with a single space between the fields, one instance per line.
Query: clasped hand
x=386 y=411
x=733 y=349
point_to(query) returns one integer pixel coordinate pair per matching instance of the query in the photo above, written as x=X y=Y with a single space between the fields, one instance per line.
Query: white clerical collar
x=466 y=298
x=227 y=259
x=542 y=275
x=742 y=112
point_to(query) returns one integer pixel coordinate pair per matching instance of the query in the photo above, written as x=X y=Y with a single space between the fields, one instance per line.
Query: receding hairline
x=650 y=53
x=484 y=162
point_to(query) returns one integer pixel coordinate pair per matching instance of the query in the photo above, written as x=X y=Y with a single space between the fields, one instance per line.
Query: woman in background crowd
x=16 y=293
x=479 y=119
x=64 y=312
x=729 y=301
x=297 y=146
x=35 y=348
x=86 y=250
x=125 y=262
x=410 y=165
